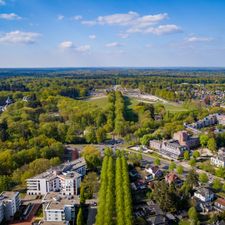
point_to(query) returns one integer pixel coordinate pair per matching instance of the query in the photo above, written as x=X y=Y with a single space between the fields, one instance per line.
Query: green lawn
x=101 y=102
x=172 y=107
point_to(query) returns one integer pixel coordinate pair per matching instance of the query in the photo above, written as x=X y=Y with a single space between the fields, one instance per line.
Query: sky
x=112 y=33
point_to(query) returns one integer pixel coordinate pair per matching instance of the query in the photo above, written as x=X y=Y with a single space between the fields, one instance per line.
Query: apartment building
x=1 y=211
x=58 y=208
x=9 y=204
x=155 y=144
x=218 y=161
x=186 y=140
x=65 y=178
x=172 y=149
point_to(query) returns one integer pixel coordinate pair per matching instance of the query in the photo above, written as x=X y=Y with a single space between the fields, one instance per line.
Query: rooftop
x=55 y=201
x=7 y=195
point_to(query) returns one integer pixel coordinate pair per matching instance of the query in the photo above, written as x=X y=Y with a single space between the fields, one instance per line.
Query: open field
x=101 y=101
x=169 y=106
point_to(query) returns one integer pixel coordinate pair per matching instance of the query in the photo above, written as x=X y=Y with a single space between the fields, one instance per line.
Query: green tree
x=180 y=169
x=192 y=162
x=196 y=154
x=204 y=140
x=203 y=178
x=80 y=217
x=193 y=216
x=212 y=145
x=217 y=185
x=172 y=166
x=192 y=178
x=157 y=161
x=186 y=155
x=92 y=156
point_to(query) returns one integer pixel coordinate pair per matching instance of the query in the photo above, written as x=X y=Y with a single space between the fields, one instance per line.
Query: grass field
x=172 y=107
x=101 y=101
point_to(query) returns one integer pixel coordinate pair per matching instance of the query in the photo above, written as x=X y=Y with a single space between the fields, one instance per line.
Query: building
x=221 y=119
x=9 y=204
x=155 y=144
x=219 y=204
x=186 y=140
x=154 y=171
x=1 y=211
x=65 y=178
x=172 y=149
x=59 y=208
x=69 y=183
x=219 y=160
x=204 y=194
x=173 y=178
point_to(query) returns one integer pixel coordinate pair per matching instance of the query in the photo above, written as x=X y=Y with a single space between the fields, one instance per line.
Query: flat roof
x=56 y=201
x=64 y=167
x=8 y=195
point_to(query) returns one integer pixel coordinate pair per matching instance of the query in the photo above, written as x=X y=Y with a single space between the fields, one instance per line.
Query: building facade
x=57 y=208
x=65 y=178
x=9 y=204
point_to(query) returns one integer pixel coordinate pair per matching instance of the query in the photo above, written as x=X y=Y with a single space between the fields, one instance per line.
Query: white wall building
x=65 y=178
x=218 y=160
x=10 y=202
x=204 y=194
x=1 y=211
x=59 y=208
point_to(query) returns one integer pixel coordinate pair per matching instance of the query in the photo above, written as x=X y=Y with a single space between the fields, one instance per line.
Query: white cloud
x=92 y=36
x=193 y=39
x=2 y=2
x=163 y=29
x=160 y=30
x=83 y=48
x=60 y=17
x=66 y=45
x=127 y=19
x=78 y=17
x=70 y=45
x=17 y=36
x=88 y=22
x=9 y=16
x=118 y=19
x=113 y=44
x=123 y=35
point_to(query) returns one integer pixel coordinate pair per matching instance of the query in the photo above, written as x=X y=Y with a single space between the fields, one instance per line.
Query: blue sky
x=77 y=33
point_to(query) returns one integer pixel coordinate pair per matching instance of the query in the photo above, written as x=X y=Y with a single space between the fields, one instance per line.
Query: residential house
x=204 y=194
x=154 y=171
x=173 y=178
x=219 y=204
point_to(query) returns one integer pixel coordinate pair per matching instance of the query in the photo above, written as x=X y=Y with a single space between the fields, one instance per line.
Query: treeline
x=114 y=199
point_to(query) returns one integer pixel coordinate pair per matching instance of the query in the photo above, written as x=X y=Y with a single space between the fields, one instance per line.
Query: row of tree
x=114 y=201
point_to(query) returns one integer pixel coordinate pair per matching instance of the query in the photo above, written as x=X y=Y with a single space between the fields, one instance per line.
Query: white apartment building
x=58 y=208
x=1 y=211
x=218 y=161
x=10 y=203
x=65 y=178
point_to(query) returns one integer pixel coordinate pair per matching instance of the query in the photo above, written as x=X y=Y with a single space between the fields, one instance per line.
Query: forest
x=48 y=111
